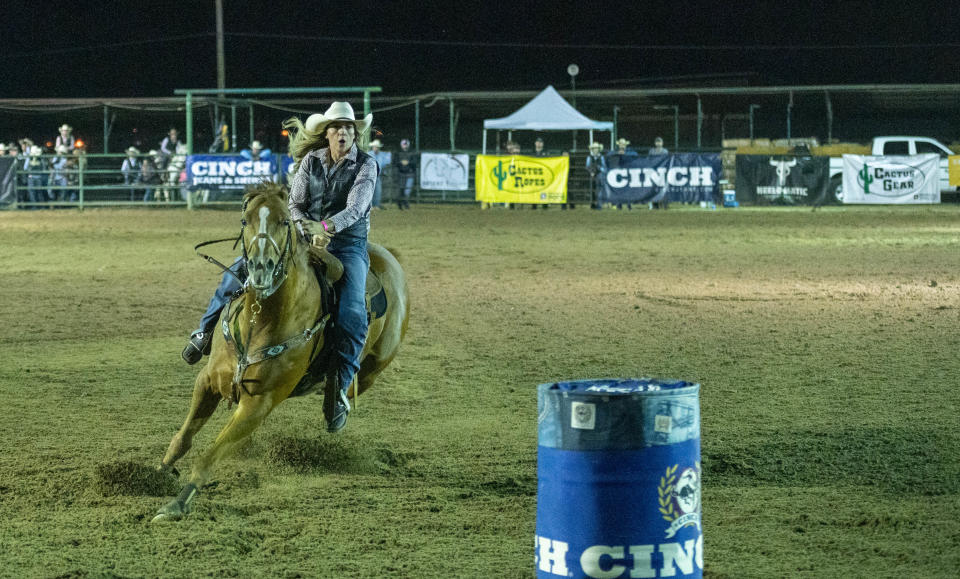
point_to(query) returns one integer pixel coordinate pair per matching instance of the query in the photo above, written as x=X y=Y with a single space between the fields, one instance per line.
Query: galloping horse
x=267 y=336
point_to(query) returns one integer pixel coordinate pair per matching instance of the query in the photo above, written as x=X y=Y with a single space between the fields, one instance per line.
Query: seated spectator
x=256 y=152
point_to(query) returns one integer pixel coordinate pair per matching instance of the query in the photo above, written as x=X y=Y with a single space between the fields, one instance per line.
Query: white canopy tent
x=548 y=111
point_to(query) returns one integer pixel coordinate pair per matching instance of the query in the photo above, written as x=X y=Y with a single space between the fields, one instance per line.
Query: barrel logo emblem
x=680 y=498
x=583 y=415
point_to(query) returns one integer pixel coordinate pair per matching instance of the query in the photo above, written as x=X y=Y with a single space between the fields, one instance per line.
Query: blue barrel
x=618 y=467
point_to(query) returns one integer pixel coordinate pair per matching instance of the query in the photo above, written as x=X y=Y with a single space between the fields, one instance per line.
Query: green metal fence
x=96 y=180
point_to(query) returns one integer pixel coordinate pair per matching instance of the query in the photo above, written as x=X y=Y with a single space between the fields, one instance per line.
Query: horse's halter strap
x=247 y=359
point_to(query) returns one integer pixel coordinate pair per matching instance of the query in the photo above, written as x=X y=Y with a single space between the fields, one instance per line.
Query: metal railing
x=96 y=180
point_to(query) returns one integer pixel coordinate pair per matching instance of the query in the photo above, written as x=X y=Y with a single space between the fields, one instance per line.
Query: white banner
x=444 y=172
x=891 y=180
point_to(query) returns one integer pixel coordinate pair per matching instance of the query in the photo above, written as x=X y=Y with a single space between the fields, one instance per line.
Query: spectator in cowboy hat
x=406 y=173
x=131 y=170
x=57 y=187
x=622 y=157
x=65 y=137
x=256 y=152
x=38 y=174
x=597 y=168
x=383 y=159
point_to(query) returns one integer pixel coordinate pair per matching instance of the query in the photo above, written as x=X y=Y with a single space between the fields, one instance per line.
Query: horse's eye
x=243 y=222
x=285 y=222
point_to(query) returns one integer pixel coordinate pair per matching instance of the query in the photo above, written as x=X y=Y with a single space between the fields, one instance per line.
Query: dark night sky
x=87 y=49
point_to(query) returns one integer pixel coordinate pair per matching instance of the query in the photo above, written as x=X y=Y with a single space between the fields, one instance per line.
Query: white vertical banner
x=444 y=171
x=891 y=180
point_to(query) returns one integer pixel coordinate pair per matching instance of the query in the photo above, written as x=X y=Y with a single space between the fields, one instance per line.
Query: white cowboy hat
x=622 y=142
x=338 y=111
x=3 y=147
x=596 y=145
x=61 y=149
x=256 y=145
x=65 y=127
x=35 y=151
x=376 y=143
x=133 y=151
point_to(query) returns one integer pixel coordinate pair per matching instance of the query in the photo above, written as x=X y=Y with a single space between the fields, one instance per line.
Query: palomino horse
x=267 y=337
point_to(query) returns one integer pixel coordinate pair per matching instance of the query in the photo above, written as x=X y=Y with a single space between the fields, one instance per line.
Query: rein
x=212 y=260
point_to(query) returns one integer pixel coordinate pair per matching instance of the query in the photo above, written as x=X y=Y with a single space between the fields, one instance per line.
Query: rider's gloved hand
x=321 y=232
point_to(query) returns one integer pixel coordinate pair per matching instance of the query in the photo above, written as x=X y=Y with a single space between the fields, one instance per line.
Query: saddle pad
x=375 y=296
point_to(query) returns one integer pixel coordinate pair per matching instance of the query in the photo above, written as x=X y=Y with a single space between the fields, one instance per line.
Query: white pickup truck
x=896 y=146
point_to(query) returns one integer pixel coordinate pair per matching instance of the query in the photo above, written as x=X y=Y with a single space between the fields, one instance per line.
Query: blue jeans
x=350 y=320
x=377 y=193
x=406 y=188
x=350 y=329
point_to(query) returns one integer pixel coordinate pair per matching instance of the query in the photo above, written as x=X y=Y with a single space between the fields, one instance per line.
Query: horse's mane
x=265 y=189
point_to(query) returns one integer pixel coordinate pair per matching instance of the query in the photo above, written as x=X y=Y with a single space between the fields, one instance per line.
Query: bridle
x=280 y=270
x=279 y=273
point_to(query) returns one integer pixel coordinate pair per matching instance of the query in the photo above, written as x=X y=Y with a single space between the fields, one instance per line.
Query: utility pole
x=221 y=72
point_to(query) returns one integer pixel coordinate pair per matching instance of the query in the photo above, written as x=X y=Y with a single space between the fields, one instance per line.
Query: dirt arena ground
x=826 y=344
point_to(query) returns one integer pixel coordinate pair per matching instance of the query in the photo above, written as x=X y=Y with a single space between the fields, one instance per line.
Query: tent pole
x=484 y=141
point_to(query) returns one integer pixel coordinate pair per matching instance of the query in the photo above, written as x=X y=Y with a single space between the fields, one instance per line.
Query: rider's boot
x=198 y=346
x=335 y=403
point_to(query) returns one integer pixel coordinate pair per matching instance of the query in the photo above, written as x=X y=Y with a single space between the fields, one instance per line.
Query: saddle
x=328 y=268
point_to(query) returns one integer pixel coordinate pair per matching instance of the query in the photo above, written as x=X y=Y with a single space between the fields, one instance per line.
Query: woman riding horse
x=330 y=198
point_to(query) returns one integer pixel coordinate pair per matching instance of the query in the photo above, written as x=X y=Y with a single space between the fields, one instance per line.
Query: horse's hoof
x=178 y=507
x=170 y=471
x=172 y=511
